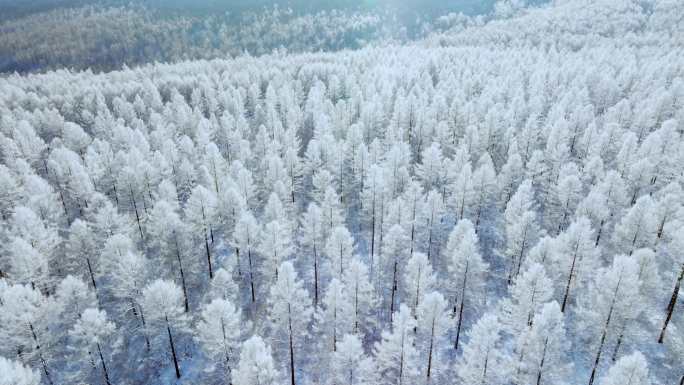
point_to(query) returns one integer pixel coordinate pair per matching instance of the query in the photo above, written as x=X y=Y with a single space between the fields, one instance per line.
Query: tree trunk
x=606 y=327
x=292 y=366
x=182 y=275
x=315 y=258
x=671 y=305
x=372 y=250
x=92 y=278
x=541 y=364
x=206 y=246
x=173 y=349
x=460 y=311
x=567 y=286
x=598 y=233
x=40 y=354
x=104 y=367
x=251 y=273
x=394 y=289
x=137 y=216
x=432 y=338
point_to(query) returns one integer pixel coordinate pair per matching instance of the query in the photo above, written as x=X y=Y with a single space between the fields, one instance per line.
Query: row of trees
x=387 y=216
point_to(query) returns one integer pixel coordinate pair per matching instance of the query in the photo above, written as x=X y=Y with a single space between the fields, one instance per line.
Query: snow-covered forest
x=500 y=202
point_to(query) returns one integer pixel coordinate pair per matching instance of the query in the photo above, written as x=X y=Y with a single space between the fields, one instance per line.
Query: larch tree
x=395 y=254
x=15 y=373
x=530 y=291
x=245 y=239
x=521 y=228
x=484 y=188
x=373 y=199
x=350 y=364
x=168 y=237
x=335 y=318
x=72 y=298
x=276 y=246
x=609 y=301
x=574 y=260
x=482 y=359
x=80 y=247
x=312 y=239
x=628 y=370
x=462 y=192
x=637 y=228
x=93 y=339
x=290 y=312
x=361 y=295
x=163 y=304
x=339 y=249
x=468 y=273
x=256 y=365
x=419 y=279
x=27 y=265
x=431 y=219
x=218 y=333
x=543 y=349
x=676 y=269
x=433 y=323
x=24 y=314
x=395 y=354
x=200 y=213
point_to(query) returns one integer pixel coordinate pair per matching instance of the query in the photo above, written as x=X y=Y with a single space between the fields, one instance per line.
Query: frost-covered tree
x=15 y=373
x=468 y=272
x=609 y=302
x=419 y=279
x=432 y=325
x=312 y=239
x=339 y=249
x=200 y=213
x=163 y=304
x=290 y=312
x=521 y=228
x=218 y=333
x=245 y=238
x=93 y=339
x=542 y=349
x=351 y=365
x=335 y=317
x=361 y=295
x=256 y=366
x=395 y=354
x=25 y=313
x=482 y=358
x=632 y=369
x=276 y=246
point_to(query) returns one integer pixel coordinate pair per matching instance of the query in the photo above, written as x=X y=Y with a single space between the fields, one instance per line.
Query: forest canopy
x=496 y=201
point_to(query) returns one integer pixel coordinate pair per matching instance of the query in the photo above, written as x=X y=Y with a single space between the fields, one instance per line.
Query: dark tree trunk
x=541 y=364
x=432 y=338
x=567 y=286
x=292 y=365
x=394 y=289
x=182 y=275
x=206 y=246
x=606 y=327
x=315 y=258
x=671 y=305
x=173 y=349
x=251 y=274
x=137 y=216
x=104 y=367
x=460 y=311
